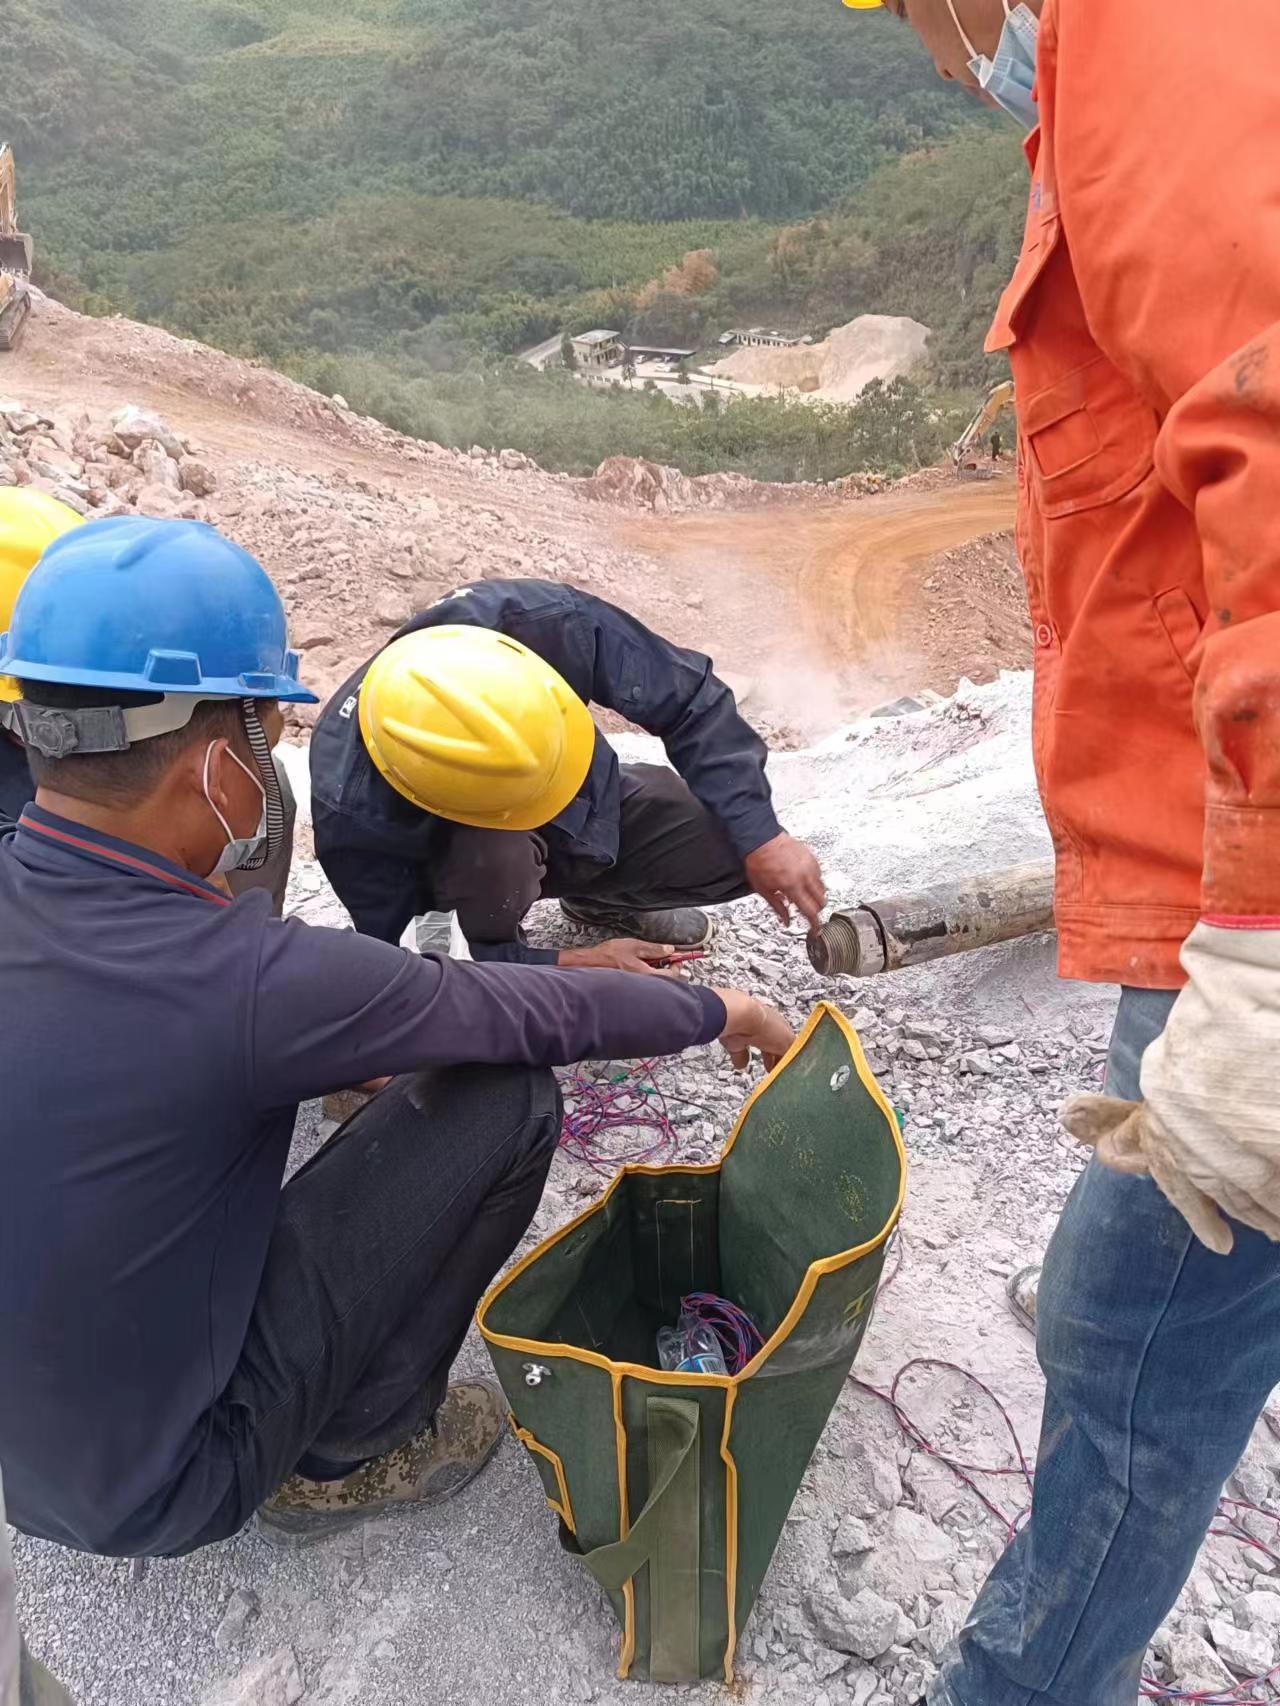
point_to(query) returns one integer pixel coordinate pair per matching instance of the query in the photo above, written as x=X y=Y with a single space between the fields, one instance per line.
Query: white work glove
x=1208 y=1127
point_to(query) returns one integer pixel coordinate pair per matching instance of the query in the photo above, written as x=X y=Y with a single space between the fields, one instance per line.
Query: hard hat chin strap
x=260 y=747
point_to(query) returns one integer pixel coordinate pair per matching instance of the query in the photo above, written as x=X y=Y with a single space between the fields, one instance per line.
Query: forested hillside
x=402 y=192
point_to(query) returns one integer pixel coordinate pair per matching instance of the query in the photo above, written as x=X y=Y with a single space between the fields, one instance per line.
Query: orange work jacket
x=1143 y=327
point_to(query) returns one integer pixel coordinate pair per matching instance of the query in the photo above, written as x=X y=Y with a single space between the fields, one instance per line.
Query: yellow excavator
x=15 y=256
x=966 y=452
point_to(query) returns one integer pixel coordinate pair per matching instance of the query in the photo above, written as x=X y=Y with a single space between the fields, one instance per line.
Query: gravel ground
x=883 y=1548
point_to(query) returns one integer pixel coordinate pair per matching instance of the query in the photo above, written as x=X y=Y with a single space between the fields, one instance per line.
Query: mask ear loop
x=260 y=747
x=964 y=37
x=226 y=827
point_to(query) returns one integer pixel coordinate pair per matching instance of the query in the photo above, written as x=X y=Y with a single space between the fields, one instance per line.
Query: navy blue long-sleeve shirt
x=16 y=786
x=381 y=853
x=157 y=1040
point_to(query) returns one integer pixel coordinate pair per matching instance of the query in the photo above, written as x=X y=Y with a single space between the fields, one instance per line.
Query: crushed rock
x=640 y=484
x=275 y=1681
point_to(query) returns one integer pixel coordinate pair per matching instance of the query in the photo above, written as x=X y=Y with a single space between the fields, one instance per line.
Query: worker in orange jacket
x=1143 y=328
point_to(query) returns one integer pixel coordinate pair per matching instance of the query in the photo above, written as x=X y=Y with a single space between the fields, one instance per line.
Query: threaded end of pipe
x=836 y=948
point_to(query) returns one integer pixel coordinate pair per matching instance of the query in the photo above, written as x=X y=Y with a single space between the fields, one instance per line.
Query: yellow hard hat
x=472 y=726
x=862 y=5
x=29 y=520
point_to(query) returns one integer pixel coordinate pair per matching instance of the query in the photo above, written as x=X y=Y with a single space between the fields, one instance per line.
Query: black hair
x=125 y=779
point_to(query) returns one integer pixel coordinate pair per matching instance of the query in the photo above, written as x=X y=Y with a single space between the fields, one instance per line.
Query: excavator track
x=14 y=309
x=15 y=257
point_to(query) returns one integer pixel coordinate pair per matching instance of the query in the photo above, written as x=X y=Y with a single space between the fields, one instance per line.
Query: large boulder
x=134 y=426
x=156 y=466
x=197 y=477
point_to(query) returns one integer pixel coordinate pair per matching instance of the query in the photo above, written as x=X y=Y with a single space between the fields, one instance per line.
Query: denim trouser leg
x=1158 y=1358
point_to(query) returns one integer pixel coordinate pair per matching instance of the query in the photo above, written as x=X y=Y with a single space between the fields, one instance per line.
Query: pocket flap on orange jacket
x=1090 y=438
x=1041 y=240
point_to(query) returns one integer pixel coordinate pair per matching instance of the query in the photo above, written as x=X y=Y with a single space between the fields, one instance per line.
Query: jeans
x=1158 y=1359
x=671 y=852
x=383 y=1245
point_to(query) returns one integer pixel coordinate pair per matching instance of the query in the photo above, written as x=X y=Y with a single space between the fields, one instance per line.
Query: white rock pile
x=131 y=461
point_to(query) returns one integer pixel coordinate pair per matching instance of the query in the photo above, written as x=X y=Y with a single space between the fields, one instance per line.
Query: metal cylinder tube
x=931 y=924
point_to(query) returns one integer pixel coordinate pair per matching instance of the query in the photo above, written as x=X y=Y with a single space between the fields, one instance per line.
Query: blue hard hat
x=152 y=607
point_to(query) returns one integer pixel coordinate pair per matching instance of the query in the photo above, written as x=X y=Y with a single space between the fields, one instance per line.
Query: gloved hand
x=1208 y=1128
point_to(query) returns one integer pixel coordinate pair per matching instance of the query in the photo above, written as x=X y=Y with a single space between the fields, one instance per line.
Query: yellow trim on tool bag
x=816 y=1270
x=731 y=1531
x=562 y=1506
x=628 y=1649
x=618 y=1371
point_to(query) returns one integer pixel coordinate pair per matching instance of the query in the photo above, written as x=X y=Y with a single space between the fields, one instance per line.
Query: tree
x=568 y=355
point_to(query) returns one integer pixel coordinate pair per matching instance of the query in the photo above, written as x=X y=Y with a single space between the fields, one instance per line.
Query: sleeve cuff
x=714 y=1017
x=1241 y=864
x=512 y=954
x=752 y=833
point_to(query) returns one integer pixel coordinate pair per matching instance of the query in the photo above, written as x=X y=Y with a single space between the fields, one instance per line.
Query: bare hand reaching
x=753 y=1024
x=624 y=953
x=787 y=874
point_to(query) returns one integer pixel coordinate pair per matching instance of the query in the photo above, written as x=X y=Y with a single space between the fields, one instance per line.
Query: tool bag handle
x=666 y=1537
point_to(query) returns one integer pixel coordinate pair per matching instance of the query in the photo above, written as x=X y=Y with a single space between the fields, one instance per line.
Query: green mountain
x=389 y=196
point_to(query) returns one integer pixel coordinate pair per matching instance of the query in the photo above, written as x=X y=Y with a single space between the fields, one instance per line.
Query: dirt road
x=830 y=588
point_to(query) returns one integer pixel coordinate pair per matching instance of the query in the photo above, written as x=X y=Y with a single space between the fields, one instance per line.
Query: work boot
x=682 y=926
x=435 y=1464
x=1021 y=1292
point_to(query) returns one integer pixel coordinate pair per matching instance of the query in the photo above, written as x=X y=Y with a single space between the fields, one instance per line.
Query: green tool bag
x=673 y=1488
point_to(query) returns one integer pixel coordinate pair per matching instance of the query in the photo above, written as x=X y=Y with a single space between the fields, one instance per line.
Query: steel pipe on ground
x=931 y=924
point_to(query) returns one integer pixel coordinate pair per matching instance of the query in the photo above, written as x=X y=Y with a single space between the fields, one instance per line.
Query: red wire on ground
x=1151 y=1689
x=627 y=1100
x=594 y=1108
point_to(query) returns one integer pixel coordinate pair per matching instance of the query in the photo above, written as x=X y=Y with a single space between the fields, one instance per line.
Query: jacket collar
x=45 y=839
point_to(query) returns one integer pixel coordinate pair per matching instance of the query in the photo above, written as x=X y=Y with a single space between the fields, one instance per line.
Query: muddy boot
x=434 y=1465
x=682 y=926
x=1021 y=1293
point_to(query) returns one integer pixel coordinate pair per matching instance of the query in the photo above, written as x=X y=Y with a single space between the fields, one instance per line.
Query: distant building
x=760 y=337
x=598 y=349
x=658 y=352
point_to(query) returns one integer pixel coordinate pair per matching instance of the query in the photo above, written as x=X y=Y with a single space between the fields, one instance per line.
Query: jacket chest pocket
x=1087 y=435
x=1089 y=439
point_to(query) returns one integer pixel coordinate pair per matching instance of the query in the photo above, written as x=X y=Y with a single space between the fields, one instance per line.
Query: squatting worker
x=1143 y=327
x=182 y=1340
x=30 y=521
x=459 y=771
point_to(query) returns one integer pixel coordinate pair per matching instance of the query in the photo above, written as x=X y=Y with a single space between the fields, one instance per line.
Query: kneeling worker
x=459 y=771
x=181 y=1339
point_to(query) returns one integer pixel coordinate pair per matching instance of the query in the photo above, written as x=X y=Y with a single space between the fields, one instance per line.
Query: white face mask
x=238 y=852
x=1010 y=77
